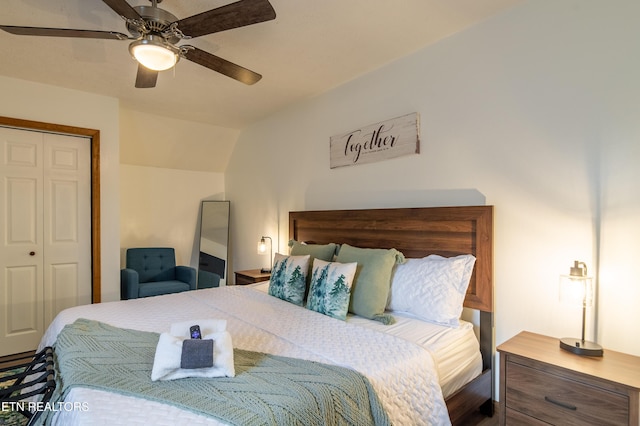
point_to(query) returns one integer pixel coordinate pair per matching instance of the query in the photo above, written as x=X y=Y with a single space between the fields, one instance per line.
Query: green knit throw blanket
x=267 y=389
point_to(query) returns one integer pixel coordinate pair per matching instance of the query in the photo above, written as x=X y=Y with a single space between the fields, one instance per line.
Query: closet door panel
x=67 y=224
x=21 y=241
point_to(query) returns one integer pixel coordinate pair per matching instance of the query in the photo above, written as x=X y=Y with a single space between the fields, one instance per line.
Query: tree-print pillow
x=289 y=278
x=331 y=288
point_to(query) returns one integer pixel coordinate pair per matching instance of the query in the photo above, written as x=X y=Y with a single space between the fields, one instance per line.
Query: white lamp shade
x=153 y=55
x=576 y=290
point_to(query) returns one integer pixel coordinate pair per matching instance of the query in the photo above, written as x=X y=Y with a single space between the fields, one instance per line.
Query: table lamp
x=577 y=287
x=262 y=249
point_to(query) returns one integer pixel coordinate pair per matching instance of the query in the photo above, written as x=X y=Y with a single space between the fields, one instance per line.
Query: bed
x=422 y=373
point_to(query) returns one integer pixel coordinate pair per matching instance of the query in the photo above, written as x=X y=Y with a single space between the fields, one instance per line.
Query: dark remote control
x=194 y=331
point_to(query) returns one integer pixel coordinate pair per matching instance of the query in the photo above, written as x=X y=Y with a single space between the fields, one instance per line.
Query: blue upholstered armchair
x=153 y=271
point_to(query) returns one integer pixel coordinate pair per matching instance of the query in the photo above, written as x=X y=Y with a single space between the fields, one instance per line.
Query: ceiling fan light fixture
x=154 y=53
x=155 y=34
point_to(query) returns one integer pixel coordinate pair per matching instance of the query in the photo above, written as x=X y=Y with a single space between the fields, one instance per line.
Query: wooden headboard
x=416 y=232
x=419 y=232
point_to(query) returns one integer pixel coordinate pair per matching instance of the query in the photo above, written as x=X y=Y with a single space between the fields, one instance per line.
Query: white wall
x=168 y=166
x=165 y=142
x=139 y=205
x=161 y=208
x=39 y=102
x=534 y=111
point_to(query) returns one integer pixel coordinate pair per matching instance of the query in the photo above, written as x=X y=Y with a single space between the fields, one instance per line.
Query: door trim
x=94 y=137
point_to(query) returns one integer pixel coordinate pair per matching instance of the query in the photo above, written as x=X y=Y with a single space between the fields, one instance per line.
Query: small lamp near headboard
x=262 y=249
x=577 y=287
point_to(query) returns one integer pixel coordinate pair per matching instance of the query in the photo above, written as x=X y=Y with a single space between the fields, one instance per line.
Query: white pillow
x=432 y=288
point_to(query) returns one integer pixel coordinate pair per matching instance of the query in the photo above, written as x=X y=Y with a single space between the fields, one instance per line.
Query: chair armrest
x=129 y=284
x=186 y=274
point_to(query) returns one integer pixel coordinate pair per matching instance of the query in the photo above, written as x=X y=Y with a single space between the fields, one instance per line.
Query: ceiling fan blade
x=146 y=78
x=122 y=8
x=222 y=66
x=234 y=15
x=63 y=32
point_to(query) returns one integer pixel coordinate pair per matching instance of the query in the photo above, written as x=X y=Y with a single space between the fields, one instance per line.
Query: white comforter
x=402 y=373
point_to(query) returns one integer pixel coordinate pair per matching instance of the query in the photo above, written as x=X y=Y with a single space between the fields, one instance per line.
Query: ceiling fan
x=155 y=32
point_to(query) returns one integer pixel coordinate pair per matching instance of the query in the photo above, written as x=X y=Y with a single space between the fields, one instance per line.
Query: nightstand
x=251 y=276
x=542 y=384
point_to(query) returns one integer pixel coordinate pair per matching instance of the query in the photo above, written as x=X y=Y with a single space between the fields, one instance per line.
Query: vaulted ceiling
x=312 y=46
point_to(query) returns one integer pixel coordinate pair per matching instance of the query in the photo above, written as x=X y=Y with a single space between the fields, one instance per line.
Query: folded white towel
x=166 y=364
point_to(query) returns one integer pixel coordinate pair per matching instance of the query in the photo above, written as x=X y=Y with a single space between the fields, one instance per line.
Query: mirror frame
x=210 y=260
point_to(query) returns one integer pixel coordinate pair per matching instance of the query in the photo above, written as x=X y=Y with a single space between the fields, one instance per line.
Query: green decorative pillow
x=372 y=281
x=289 y=278
x=331 y=288
x=316 y=251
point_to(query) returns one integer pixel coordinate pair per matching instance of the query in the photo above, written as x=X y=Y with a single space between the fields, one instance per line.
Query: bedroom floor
x=481 y=420
x=11 y=360
x=489 y=421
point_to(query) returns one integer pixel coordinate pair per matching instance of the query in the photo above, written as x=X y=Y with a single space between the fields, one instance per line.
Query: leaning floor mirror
x=214 y=244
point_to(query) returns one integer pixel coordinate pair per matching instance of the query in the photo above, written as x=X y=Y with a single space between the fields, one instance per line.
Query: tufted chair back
x=152 y=271
x=153 y=264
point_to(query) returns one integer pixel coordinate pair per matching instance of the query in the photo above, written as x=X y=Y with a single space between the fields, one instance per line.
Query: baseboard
x=15 y=359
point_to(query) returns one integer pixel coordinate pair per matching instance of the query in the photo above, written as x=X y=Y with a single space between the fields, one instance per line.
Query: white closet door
x=67 y=223
x=45 y=232
x=21 y=240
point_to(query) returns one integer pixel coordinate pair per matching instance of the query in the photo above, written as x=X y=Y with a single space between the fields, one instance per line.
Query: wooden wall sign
x=377 y=142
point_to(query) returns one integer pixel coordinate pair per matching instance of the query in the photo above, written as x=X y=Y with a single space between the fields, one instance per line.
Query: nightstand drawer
x=516 y=418
x=244 y=280
x=559 y=400
x=251 y=276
